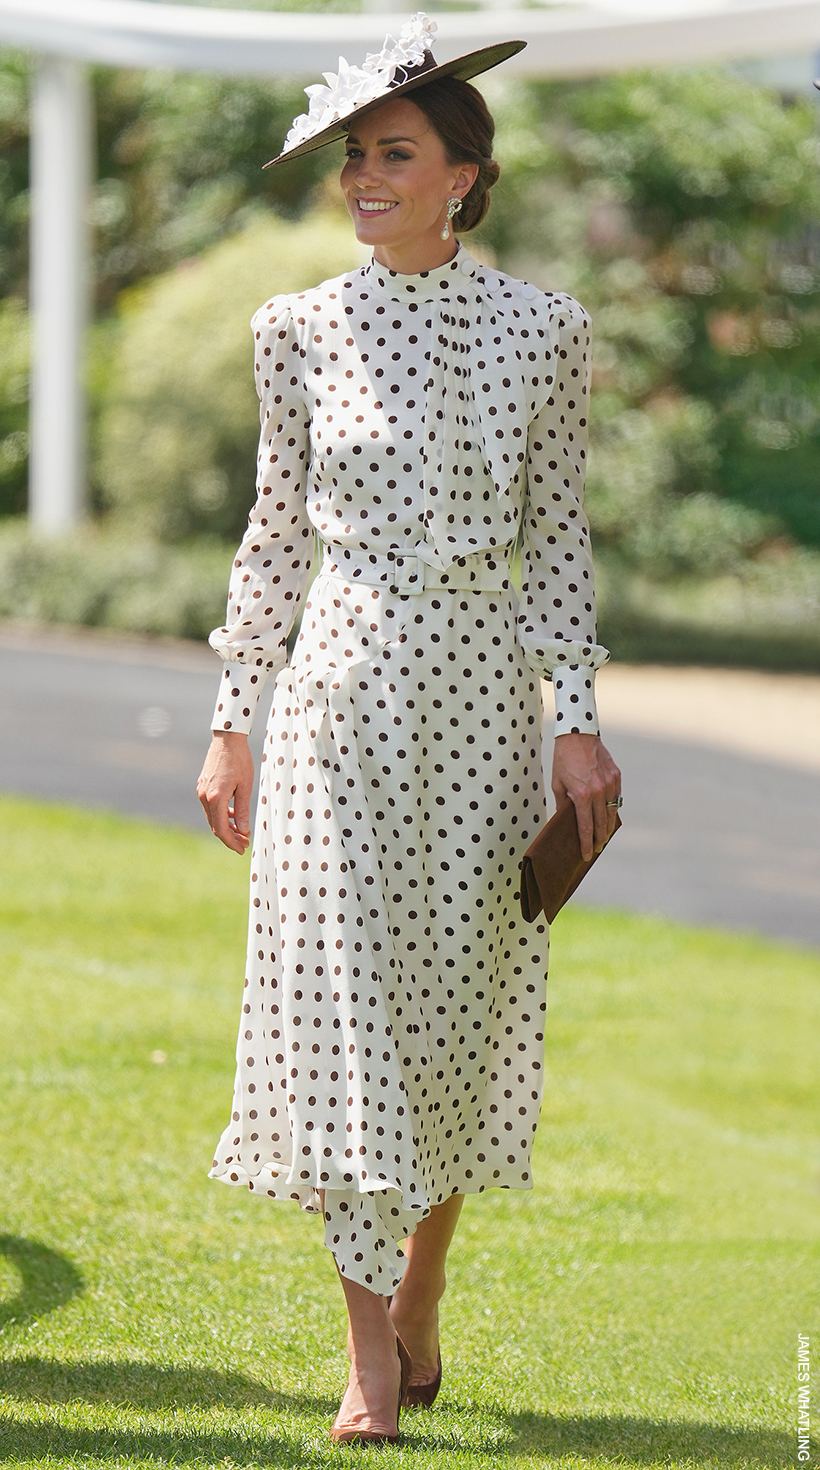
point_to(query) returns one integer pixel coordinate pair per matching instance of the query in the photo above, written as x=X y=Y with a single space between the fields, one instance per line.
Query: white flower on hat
x=347 y=88
x=419 y=30
x=352 y=86
x=415 y=39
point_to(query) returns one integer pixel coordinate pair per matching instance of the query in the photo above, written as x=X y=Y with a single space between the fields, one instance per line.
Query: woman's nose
x=367 y=173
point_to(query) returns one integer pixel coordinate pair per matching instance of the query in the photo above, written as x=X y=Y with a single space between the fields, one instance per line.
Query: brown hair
x=462 y=119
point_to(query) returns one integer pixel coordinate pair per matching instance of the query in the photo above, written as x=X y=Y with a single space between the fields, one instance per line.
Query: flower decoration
x=353 y=86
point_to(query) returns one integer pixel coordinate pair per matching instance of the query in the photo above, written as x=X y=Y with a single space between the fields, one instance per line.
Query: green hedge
x=109 y=578
x=14 y=381
x=765 y=614
x=179 y=420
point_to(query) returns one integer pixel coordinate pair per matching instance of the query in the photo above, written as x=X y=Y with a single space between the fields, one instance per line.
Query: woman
x=415 y=414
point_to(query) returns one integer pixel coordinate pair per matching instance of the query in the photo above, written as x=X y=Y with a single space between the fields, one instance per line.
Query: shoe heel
x=406 y=1372
x=421 y=1395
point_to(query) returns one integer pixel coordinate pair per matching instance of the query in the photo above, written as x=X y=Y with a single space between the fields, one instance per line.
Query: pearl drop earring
x=453 y=206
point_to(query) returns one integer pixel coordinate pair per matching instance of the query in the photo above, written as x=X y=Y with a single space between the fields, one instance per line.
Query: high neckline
x=427 y=285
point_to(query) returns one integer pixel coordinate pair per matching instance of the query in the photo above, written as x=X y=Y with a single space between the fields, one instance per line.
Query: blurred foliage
x=681 y=207
x=766 y=617
x=14 y=380
x=105 y=576
x=14 y=94
x=180 y=415
x=179 y=159
x=180 y=166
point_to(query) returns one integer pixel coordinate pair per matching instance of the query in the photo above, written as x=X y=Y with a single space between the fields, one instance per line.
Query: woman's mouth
x=376 y=206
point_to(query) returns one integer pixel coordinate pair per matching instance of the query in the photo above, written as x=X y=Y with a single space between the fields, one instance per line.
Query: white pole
x=61 y=146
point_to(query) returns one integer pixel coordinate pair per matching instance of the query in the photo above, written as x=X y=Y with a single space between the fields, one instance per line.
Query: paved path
x=721 y=769
x=721 y=775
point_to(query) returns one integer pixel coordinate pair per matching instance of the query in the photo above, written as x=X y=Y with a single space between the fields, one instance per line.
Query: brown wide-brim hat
x=405 y=80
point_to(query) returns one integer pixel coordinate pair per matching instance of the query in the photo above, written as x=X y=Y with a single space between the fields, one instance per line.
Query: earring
x=453 y=206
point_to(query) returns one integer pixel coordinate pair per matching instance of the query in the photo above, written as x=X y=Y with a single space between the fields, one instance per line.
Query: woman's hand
x=224 y=788
x=584 y=771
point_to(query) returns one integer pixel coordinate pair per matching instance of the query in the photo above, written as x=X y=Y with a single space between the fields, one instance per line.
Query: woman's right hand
x=224 y=788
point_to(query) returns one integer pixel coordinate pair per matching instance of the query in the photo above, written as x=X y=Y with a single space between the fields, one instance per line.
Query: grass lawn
x=639 y=1308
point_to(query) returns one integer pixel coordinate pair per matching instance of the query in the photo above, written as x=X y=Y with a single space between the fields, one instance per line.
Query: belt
x=406 y=573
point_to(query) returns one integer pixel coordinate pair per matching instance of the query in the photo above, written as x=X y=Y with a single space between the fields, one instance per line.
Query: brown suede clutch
x=552 y=866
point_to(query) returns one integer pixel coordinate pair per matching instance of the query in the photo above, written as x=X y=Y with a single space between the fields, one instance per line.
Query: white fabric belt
x=406 y=573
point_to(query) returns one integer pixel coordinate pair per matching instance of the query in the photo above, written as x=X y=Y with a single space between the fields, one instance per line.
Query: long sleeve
x=272 y=567
x=556 y=619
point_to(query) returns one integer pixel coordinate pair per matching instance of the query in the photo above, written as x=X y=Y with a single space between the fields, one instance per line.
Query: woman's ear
x=464 y=179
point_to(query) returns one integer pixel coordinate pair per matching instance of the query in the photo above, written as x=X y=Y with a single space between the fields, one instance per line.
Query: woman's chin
x=374 y=232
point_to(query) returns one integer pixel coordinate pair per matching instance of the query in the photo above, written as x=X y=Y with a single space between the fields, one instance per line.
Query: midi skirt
x=391 y=1041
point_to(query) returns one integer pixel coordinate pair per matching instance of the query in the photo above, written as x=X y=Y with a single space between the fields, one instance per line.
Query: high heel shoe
x=421 y=1395
x=380 y=1436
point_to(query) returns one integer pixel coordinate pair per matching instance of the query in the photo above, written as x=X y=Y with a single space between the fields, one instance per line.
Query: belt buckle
x=398 y=559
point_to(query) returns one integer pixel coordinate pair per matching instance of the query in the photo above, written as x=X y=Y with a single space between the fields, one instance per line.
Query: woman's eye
x=394 y=155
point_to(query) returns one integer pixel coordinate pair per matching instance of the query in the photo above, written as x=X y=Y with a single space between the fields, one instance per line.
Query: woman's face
x=396 y=181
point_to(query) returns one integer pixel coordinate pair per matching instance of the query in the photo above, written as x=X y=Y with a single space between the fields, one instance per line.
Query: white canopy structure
x=589 y=39
x=581 y=40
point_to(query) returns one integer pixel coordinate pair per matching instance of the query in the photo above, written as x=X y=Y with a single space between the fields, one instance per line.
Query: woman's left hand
x=583 y=771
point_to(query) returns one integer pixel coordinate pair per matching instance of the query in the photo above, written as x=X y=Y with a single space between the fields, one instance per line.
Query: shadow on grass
x=44 y=1443
x=649 y=1441
x=144 y=1386
x=48 y=1280
x=610 y=1440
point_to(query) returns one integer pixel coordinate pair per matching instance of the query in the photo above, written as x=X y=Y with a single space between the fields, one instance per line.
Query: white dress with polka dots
x=390 y=1049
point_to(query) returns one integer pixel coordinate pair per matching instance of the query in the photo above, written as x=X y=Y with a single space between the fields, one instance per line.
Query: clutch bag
x=552 y=866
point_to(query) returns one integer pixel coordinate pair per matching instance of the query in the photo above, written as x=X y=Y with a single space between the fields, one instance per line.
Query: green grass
x=639 y=1308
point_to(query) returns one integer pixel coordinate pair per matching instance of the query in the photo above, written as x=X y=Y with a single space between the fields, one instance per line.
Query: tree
x=682 y=207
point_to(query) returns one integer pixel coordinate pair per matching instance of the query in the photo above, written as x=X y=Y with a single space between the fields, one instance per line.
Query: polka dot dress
x=390 y=1048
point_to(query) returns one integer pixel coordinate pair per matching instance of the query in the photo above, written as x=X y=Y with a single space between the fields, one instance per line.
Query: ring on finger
x=617 y=803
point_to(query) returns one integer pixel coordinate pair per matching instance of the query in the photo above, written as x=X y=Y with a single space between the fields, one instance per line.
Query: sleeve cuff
x=239 y=691
x=575 y=709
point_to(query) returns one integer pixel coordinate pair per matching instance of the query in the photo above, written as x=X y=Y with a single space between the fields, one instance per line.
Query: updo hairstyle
x=458 y=113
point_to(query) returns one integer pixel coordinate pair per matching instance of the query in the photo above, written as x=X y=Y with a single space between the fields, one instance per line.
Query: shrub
x=14 y=371
x=681 y=207
x=108 y=578
x=176 y=443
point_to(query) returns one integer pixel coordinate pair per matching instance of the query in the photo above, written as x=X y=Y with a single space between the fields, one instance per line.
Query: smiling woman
x=398 y=182
x=437 y=145
x=416 y=416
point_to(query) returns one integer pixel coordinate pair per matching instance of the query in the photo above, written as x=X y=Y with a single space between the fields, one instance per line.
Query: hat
x=398 y=68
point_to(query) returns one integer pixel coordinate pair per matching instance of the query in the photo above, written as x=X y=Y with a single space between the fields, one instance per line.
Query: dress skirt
x=391 y=1042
